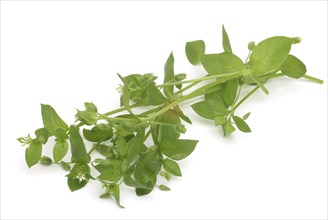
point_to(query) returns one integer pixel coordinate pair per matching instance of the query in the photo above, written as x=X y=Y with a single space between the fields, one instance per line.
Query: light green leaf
x=228 y=128
x=60 y=150
x=51 y=120
x=167 y=132
x=172 y=167
x=65 y=166
x=225 y=41
x=222 y=63
x=270 y=54
x=241 y=124
x=246 y=116
x=229 y=91
x=293 y=67
x=177 y=149
x=164 y=188
x=135 y=146
x=33 y=154
x=78 y=150
x=169 y=75
x=209 y=109
x=89 y=117
x=220 y=120
x=194 y=51
x=116 y=194
x=154 y=96
x=42 y=134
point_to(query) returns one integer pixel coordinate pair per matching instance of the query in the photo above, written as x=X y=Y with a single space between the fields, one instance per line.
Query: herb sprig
x=136 y=148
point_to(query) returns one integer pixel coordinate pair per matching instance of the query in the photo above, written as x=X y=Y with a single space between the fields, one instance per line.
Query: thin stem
x=197 y=79
x=121 y=109
x=260 y=84
x=313 y=79
x=191 y=95
x=94 y=147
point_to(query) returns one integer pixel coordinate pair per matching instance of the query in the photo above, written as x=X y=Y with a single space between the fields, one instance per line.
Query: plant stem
x=313 y=79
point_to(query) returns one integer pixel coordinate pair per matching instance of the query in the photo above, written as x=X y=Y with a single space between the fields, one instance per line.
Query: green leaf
x=209 y=109
x=90 y=106
x=220 y=120
x=225 y=41
x=246 y=116
x=88 y=117
x=228 y=128
x=42 y=134
x=194 y=51
x=172 y=167
x=33 y=154
x=166 y=175
x=154 y=96
x=177 y=149
x=103 y=149
x=164 y=188
x=60 y=150
x=65 y=166
x=270 y=54
x=78 y=150
x=45 y=160
x=126 y=95
x=110 y=170
x=51 y=120
x=78 y=177
x=241 y=124
x=222 y=63
x=229 y=91
x=169 y=75
x=100 y=132
x=167 y=132
x=116 y=194
x=122 y=146
x=60 y=133
x=135 y=146
x=179 y=112
x=293 y=67
x=129 y=181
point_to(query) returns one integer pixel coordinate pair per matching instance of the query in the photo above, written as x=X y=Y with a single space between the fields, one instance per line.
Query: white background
x=65 y=53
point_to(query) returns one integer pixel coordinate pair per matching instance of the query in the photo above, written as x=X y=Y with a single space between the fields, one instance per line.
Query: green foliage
x=194 y=51
x=134 y=148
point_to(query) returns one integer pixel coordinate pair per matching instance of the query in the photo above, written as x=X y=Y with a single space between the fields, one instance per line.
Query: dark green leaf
x=78 y=150
x=154 y=96
x=225 y=41
x=103 y=149
x=33 y=154
x=60 y=150
x=194 y=51
x=45 y=160
x=270 y=54
x=42 y=134
x=293 y=67
x=177 y=149
x=169 y=75
x=241 y=124
x=172 y=167
x=209 y=109
x=229 y=91
x=129 y=181
x=222 y=63
x=100 y=132
x=51 y=120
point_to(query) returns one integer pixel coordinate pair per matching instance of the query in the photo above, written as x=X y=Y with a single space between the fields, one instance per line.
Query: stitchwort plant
x=136 y=148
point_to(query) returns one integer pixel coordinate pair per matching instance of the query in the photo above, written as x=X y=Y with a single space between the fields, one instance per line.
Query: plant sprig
x=135 y=149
